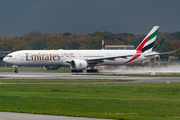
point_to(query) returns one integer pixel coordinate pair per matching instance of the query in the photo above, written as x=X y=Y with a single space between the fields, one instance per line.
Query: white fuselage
x=60 y=57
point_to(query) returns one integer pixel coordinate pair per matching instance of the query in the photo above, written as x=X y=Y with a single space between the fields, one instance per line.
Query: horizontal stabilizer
x=156 y=53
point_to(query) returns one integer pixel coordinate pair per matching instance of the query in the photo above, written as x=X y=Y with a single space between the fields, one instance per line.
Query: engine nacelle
x=51 y=67
x=78 y=64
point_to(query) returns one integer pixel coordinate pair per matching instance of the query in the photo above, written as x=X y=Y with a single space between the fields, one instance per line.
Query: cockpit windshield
x=9 y=56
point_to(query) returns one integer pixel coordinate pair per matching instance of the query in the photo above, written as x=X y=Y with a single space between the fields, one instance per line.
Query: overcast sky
x=17 y=17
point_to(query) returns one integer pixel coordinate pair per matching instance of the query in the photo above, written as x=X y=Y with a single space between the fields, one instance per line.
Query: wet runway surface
x=136 y=79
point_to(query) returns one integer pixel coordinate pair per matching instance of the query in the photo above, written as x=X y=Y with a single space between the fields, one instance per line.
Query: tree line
x=34 y=40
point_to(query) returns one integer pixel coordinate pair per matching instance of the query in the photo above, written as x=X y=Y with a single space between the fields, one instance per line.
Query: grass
x=115 y=101
x=56 y=80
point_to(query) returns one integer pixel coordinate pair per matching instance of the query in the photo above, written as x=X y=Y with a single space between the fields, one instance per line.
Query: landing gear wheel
x=16 y=68
x=76 y=71
x=16 y=71
x=92 y=71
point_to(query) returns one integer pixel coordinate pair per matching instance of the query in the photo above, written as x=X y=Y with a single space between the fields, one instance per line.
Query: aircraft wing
x=100 y=59
x=156 y=53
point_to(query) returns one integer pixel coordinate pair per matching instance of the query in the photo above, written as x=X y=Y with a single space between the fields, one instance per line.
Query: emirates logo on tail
x=149 y=40
x=146 y=44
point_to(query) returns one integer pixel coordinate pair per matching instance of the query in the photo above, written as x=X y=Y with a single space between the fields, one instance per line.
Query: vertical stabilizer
x=149 y=40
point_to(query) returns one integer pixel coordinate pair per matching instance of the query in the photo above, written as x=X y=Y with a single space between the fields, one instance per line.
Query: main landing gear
x=76 y=71
x=16 y=68
x=92 y=70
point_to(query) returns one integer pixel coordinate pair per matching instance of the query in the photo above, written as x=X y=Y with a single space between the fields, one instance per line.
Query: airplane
x=79 y=60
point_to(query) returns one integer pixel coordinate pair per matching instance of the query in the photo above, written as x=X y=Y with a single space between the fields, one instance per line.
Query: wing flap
x=101 y=59
x=109 y=57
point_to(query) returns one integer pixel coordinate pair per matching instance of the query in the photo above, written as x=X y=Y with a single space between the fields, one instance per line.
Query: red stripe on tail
x=135 y=57
x=139 y=48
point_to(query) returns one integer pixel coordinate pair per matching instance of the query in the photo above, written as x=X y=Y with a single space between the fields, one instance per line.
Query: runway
x=136 y=79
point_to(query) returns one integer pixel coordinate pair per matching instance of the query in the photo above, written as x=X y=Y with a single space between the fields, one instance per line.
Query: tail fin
x=149 y=40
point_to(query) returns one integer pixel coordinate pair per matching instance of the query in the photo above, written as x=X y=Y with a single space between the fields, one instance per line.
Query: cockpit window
x=9 y=56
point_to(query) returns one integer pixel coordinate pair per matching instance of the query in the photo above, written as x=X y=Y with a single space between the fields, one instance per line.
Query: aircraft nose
x=5 y=59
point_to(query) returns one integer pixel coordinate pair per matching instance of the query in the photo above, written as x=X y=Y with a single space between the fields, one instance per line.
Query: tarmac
x=135 y=79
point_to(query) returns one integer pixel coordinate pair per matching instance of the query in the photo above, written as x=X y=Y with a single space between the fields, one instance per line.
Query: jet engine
x=78 y=64
x=51 y=67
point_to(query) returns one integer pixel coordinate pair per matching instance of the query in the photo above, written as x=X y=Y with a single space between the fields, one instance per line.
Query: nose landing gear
x=16 y=68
